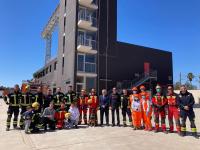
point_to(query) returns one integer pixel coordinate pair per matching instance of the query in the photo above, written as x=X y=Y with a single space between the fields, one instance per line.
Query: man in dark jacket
x=104 y=107
x=48 y=98
x=13 y=102
x=186 y=102
x=125 y=100
x=115 y=103
x=39 y=97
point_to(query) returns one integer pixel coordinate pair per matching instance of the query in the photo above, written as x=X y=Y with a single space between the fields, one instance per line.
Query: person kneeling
x=48 y=117
x=73 y=116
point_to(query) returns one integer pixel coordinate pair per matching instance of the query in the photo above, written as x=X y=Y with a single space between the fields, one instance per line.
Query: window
x=90 y=83
x=63 y=44
x=47 y=70
x=63 y=64
x=55 y=64
x=80 y=62
x=50 y=68
x=86 y=63
x=64 y=23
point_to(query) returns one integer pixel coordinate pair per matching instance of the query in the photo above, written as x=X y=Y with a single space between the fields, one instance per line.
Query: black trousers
x=12 y=110
x=127 y=111
x=102 y=112
x=51 y=123
x=113 y=115
x=191 y=116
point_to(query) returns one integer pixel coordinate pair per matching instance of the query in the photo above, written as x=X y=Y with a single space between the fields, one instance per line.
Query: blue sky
x=172 y=25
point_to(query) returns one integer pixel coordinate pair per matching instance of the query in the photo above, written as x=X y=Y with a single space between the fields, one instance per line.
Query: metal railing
x=141 y=79
x=87 y=42
x=86 y=16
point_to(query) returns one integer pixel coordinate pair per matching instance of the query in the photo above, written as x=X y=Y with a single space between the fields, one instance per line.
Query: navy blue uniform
x=115 y=103
x=13 y=108
x=187 y=99
x=104 y=108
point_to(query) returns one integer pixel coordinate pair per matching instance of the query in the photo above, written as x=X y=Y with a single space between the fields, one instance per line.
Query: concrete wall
x=69 y=52
x=196 y=94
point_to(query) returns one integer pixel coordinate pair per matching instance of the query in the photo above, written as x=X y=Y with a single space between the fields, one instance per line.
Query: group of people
x=70 y=110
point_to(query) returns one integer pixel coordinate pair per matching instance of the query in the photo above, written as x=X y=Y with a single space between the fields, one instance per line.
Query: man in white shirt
x=74 y=115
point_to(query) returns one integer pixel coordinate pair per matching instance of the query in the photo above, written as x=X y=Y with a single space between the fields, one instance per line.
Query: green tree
x=190 y=77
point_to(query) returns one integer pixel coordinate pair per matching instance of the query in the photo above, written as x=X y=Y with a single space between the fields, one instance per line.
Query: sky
x=172 y=25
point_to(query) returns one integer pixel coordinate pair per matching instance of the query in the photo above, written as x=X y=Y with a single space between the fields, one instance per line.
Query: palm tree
x=190 y=77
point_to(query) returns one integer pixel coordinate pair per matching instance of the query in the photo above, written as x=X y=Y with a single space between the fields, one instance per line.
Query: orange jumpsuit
x=147 y=97
x=136 y=112
x=147 y=113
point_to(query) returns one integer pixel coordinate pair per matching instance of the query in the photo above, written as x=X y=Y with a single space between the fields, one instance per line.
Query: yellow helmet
x=36 y=105
x=67 y=115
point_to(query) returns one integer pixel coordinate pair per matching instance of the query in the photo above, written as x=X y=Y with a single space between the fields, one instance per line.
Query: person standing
x=57 y=98
x=13 y=102
x=39 y=98
x=146 y=111
x=48 y=98
x=83 y=106
x=93 y=105
x=125 y=100
x=115 y=104
x=26 y=100
x=104 y=107
x=136 y=112
x=186 y=103
x=159 y=103
x=70 y=96
x=173 y=109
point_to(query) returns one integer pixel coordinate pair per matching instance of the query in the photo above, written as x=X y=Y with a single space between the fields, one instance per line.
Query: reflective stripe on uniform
x=194 y=129
x=183 y=128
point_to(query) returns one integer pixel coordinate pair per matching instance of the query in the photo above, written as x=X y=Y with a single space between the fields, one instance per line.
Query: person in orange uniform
x=143 y=90
x=159 y=103
x=83 y=106
x=134 y=91
x=136 y=112
x=173 y=110
x=60 y=116
x=147 y=111
x=93 y=105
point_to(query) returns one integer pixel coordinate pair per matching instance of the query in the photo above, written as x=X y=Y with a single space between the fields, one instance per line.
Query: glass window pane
x=90 y=83
x=80 y=63
x=90 y=58
x=91 y=68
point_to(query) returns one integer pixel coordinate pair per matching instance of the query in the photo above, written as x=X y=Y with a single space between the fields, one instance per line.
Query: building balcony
x=89 y=3
x=86 y=46
x=87 y=22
